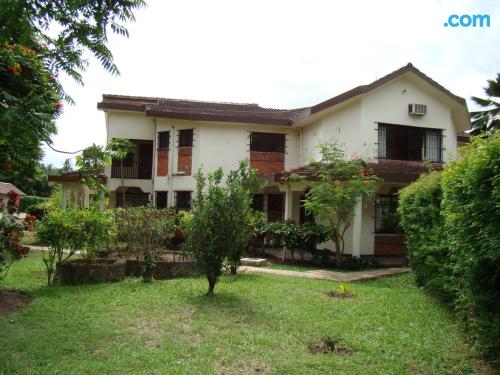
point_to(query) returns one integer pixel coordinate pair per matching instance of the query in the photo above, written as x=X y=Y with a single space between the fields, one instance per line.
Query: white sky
x=280 y=54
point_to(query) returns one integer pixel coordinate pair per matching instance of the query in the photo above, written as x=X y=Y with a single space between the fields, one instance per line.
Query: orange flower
x=15 y=69
x=10 y=46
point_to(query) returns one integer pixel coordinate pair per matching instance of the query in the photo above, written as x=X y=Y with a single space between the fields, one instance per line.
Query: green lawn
x=254 y=324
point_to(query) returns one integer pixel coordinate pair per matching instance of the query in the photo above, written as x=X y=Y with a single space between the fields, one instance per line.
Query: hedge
x=451 y=222
x=422 y=221
x=471 y=206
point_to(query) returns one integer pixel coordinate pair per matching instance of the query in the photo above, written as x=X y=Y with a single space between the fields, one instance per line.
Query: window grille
x=267 y=142
x=398 y=142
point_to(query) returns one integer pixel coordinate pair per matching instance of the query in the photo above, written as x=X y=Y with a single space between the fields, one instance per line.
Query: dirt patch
x=329 y=345
x=12 y=300
x=336 y=294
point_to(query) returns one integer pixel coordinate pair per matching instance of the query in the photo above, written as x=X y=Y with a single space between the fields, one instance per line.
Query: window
x=267 y=142
x=186 y=138
x=161 y=199
x=275 y=202
x=258 y=202
x=164 y=140
x=400 y=142
x=386 y=219
x=183 y=200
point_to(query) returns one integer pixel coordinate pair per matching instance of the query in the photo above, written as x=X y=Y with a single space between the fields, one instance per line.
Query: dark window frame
x=410 y=143
x=164 y=140
x=258 y=202
x=161 y=199
x=183 y=200
x=186 y=137
x=267 y=142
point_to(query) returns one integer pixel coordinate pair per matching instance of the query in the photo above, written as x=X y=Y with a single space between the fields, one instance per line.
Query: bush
x=287 y=234
x=221 y=223
x=30 y=203
x=145 y=230
x=422 y=222
x=67 y=231
x=311 y=235
x=10 y=247
x=471 y=208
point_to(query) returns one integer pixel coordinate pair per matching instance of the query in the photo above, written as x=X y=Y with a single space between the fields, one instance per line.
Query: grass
x=254 y=324
x=30 y=239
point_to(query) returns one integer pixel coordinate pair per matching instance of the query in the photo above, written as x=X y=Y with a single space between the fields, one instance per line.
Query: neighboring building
x=75 y=193
x=394 y=124
x=5 y=189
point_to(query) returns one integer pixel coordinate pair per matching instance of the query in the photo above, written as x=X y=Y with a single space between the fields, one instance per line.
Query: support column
x=288 y=203
x=356 y=229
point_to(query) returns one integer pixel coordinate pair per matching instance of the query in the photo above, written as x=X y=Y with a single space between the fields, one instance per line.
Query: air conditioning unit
x=417 y=109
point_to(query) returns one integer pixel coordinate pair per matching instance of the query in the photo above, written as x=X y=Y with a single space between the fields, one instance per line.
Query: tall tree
x=488 y=119
x=32 y=58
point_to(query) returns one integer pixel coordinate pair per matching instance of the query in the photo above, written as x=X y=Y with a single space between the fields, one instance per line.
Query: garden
x=145 y=307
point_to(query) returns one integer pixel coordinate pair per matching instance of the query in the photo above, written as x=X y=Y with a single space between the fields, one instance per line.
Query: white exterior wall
x=341 y=126
x=389 y=104
x=128 y=125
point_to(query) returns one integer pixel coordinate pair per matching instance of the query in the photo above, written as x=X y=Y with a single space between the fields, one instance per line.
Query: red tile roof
x=247 y=113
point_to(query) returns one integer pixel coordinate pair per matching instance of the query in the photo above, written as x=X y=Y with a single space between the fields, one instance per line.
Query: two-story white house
x=394 y=124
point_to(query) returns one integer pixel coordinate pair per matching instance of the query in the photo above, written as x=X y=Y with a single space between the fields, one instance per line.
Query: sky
x=279 y=54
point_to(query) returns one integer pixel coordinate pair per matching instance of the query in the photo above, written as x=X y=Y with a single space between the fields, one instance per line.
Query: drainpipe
x=301 y=145
x=155 y=157
x=171 y=168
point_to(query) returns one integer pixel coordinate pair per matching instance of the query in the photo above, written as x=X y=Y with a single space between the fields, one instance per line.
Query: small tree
x=119 y=149
x=221 y=224
x=338 y=187
x=90 y=164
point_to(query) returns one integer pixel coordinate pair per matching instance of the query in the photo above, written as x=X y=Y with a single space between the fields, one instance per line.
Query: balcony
x=138 y=164
x=134 y=171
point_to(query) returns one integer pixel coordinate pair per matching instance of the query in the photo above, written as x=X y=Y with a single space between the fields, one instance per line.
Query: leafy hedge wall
x=452 y=225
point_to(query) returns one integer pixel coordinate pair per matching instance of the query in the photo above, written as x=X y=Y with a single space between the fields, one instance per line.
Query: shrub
x=287 y=234
x=310 y=236
x=67 y=231
x=422 y=222
x=145 y=230
x=221 y=223
x=30 y=204
x=10 y=248
x=471 y=208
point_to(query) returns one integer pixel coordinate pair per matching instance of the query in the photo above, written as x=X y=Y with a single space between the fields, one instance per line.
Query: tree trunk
x=212 y=280
x=338 y=253
x=233 y=268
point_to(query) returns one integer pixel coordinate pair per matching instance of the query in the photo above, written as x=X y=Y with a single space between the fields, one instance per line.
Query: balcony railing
x=136 y=170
